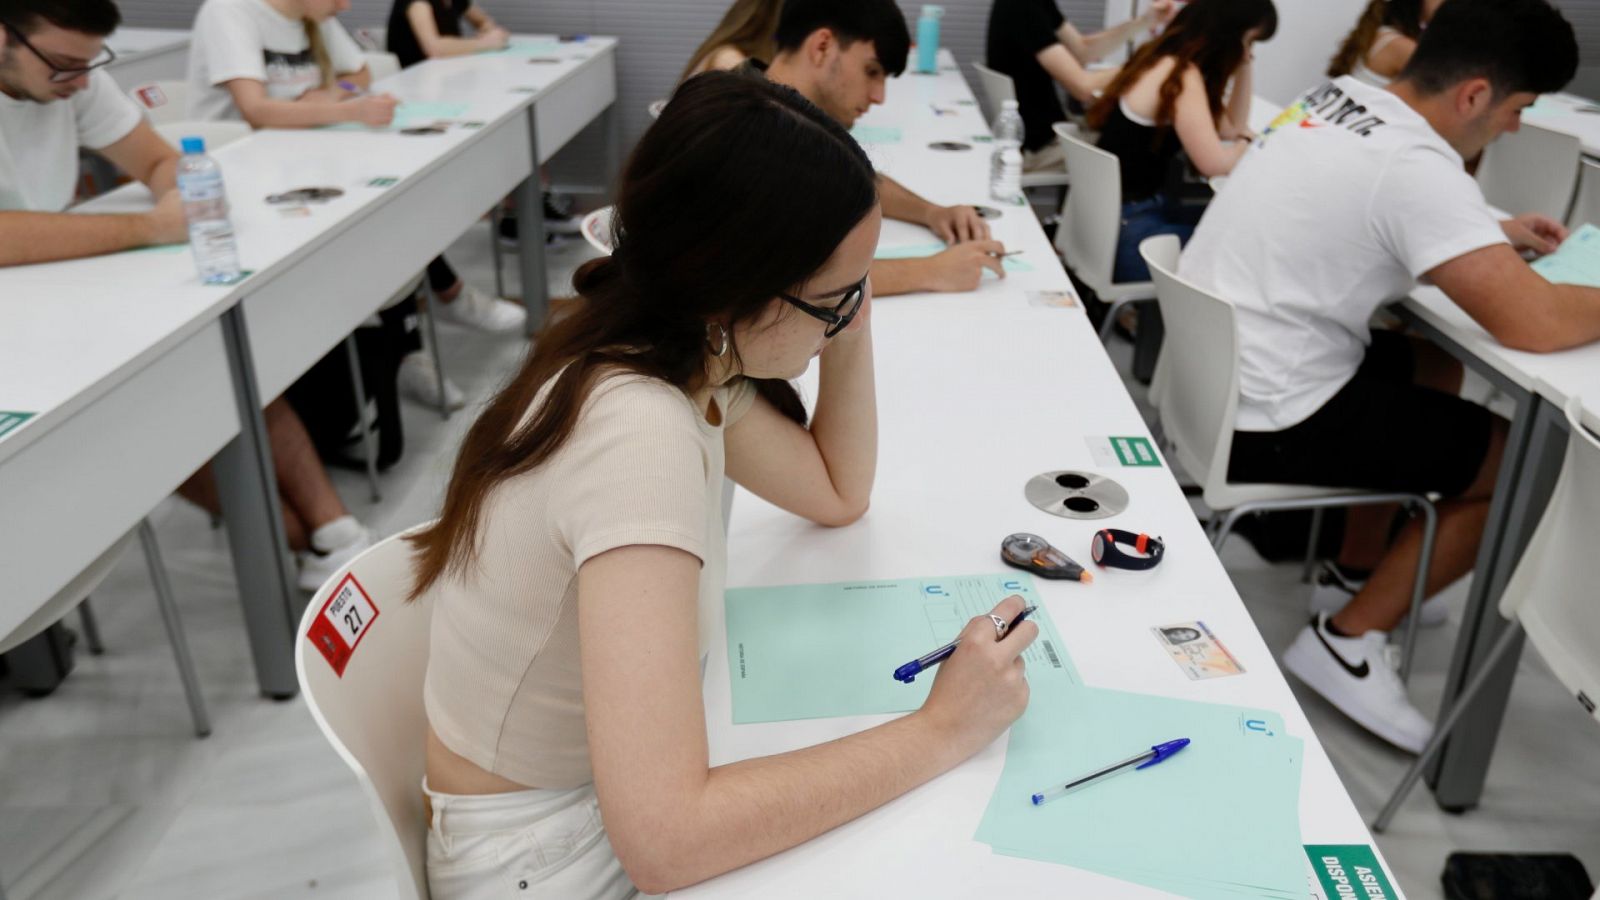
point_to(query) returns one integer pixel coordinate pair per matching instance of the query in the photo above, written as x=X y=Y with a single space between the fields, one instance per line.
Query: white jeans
x=522 y=845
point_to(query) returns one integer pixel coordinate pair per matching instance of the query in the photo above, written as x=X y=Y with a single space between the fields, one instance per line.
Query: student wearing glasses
x=576 y=569
x=55 y=99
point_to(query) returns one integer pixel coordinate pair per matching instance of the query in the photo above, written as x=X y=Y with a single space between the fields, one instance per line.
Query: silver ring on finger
x=1000 y=626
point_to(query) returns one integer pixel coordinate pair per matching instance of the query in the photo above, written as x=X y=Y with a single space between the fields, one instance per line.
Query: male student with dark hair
x=1031 y=41
x=54 y=99
x=839 y=54
x=1353 y=195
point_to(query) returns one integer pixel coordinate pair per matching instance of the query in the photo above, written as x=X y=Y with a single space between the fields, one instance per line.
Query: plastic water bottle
x=1005 y=173
x=928 y=38
x=205 y=206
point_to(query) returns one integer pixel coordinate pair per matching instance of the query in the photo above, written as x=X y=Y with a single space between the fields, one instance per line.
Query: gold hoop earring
x=718 y=348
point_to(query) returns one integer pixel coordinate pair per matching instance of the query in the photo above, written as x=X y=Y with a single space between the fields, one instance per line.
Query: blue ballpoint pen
x=1144 y=760
x=908 y=672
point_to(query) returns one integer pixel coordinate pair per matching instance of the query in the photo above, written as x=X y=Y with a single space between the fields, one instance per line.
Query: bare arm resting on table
x=319 y=107
x=435 y=45
x=35 y=237
x=1515 y=303
x=672 y=819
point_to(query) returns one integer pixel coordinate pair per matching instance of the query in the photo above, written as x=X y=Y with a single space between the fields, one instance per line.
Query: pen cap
x=1162 y=751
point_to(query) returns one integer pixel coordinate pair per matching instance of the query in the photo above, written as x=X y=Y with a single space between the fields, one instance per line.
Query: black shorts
x=1380 y=432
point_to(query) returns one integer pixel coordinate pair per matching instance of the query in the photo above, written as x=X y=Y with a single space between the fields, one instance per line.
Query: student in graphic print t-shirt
x=276 y=63
x=1353 y=195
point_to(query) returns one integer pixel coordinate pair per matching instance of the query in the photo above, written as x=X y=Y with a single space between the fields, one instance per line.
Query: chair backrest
x=1200 y=391
x=1586 y=208
x=1531 y=170
x=596 y=227
x=1091 y=217
x=14 y=631
x=372 y=711
x=379 y=64
x=1164 y=255
x=162 y=101
x=216 y=134
x=997 y=88
x=1552 y=590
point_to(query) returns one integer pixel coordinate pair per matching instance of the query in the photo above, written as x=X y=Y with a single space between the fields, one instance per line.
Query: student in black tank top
x=428 y=29
x=1169 y=97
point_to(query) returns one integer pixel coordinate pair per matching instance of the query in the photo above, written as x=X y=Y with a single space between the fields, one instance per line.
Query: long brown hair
x=319 y=52
x=1404 y=16
x=739 y=192
x=1207 y=33
x=747 y=26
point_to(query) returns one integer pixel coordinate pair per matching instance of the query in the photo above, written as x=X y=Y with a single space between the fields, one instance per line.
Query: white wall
x=1309 y=31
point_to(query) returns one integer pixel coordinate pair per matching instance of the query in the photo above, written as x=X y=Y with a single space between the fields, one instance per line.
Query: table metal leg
x=1523 y=487
x=248 y=490
x=530 y=237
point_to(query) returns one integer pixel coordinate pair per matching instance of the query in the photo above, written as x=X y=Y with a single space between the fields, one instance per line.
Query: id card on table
x=1197 y=651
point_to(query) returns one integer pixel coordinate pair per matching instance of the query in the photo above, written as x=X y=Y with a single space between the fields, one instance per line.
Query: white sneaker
x=1357 y=675
x=1330 y=598
x=332 y=547
x=419 y=380
x=475 y=309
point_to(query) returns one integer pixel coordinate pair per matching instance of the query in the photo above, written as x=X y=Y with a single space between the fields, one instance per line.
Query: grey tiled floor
x=104 y=792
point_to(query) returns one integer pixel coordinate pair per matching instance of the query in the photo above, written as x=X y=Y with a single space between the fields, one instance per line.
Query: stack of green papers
x=527 y=48
x=812 y=651
x=1576 y=262
x=1220 y=819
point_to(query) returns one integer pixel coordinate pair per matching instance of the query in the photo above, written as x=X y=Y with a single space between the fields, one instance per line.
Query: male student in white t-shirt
x=54 y=99
x=1351 y=196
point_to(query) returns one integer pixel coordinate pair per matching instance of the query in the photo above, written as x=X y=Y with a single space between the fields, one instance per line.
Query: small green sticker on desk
x=11 y=421
x=1125 y=451
x=1350 y=870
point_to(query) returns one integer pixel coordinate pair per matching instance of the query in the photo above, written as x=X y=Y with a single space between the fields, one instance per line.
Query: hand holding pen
x=981 y=687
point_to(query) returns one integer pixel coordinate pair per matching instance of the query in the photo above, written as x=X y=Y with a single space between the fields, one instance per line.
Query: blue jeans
x=1143 y=219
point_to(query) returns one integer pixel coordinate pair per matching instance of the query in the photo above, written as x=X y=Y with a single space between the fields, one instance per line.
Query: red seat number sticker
x=342 y=623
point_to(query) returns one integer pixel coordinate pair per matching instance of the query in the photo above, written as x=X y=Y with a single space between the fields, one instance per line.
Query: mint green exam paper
x=811 y=651
x=410 y=115
x=527 y=48
x=1576 y=262
x=1220 y=819
x=920 y=251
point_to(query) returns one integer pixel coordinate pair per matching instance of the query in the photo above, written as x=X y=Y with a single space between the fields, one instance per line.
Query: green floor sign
x=10 y=421
x=1350 y=871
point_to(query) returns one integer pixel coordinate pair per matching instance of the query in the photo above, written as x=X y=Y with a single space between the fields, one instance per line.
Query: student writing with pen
x=577 y=567
x=278 y=64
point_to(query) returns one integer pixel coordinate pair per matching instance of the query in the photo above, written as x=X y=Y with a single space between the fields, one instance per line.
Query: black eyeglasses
x=61 y=74
x=839 y=317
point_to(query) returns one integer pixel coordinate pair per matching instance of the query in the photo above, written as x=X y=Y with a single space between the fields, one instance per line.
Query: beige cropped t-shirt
x=642 y=466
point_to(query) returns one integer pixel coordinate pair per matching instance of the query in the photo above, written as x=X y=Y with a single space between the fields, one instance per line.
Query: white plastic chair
x=1091 y=220
x=998 y=88
x=162 y=101
x=216 y=134
x=596 y=227
x=1550 y=598
x=76 y=595
x=373 y=714
x=1199 y=402
x=1531 y=170
x=380 y=65
x=1586 y=208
